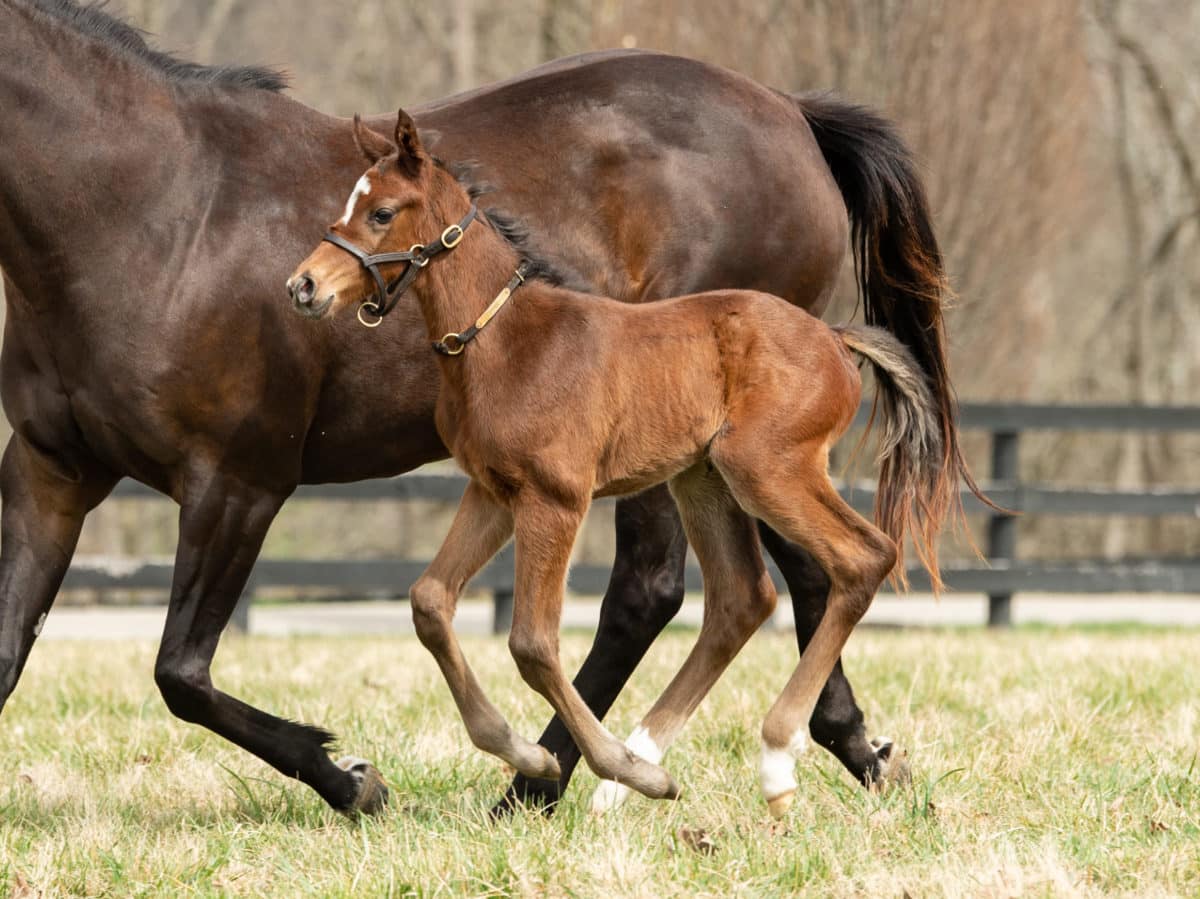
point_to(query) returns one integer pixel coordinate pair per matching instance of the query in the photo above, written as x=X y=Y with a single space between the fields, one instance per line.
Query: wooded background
x=1059 y=139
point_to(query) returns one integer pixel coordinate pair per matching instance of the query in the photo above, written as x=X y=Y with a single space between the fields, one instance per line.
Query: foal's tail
x=914 y=493
x=900 y=274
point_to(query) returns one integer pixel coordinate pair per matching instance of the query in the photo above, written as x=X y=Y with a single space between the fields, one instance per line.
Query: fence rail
x=1002 y=576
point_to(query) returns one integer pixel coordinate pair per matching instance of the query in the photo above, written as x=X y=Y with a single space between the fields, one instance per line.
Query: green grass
x=1045 y=763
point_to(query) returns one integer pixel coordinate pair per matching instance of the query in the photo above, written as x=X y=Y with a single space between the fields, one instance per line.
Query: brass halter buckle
x=452 y=236
x=452 y=349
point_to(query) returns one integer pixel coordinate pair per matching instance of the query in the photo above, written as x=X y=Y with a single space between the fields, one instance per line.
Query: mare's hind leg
x=644 y=593
x=481 y=527
x=798 y=500
x=43 y=512
x=221 y=528
x=545 y=533
x=837 y=722
x=738 y=598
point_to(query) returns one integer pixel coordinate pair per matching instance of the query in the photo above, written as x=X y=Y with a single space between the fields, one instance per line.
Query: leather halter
x=417 y=256
x=456 y=341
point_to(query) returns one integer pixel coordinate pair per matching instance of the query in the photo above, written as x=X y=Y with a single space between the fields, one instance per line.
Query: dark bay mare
x=731 y=397
x=150 y=209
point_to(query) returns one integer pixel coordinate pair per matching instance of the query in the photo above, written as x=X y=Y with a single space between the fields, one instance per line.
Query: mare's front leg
x=222 y=524
x=481 y=527
x=43 y=512
x=545 y=533
x=837 y=721
x=643 y=595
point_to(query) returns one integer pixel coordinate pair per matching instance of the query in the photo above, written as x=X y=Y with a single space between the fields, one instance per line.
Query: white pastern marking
x=641 y=745
x=361 y=189
x=37 y=628
x=610 y=794
x=777 y=768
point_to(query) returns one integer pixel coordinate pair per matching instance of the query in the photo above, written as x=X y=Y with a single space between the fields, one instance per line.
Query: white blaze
x=610 y=794
x=361 y=189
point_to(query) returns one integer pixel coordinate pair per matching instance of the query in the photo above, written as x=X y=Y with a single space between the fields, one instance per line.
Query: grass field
x=1045 y=763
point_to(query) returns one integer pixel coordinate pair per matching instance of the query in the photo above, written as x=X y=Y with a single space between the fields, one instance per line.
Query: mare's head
x=403 y=201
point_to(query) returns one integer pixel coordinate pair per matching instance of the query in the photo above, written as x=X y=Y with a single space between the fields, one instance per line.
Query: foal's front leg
x=481 y=527
x=545 y=534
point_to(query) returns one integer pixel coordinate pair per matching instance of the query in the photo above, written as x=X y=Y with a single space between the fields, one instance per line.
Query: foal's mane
x=93 y=21
x=511 y=229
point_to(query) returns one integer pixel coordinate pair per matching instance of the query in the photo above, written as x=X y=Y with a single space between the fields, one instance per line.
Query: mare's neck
x=109 y=169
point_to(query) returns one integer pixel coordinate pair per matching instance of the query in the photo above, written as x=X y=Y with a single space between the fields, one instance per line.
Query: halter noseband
x=417 y=256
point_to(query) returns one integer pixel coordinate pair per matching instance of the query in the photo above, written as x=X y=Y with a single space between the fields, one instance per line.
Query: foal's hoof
x=648 y=779
x=372 y=793
x=778 y=807
x=652 y=781
x=538 y=763
x=891 y=768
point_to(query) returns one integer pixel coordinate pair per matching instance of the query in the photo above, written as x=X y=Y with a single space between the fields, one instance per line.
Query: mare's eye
x=382 y=216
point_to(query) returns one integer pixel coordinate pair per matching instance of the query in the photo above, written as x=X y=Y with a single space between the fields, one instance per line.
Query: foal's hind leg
x=545 y=533
x=738 y=598
x=837 y=722
x=798 y=500
x=481 y=527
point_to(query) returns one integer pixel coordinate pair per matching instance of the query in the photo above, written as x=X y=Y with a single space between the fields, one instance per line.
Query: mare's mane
x=93 y=21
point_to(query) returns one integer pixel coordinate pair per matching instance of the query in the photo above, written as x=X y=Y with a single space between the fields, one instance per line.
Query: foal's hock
x=732 y=397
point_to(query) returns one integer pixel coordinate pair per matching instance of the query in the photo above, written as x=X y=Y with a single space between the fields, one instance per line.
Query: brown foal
x=732 y=397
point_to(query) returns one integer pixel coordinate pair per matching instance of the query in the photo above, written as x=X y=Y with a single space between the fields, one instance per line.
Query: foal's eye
x=382 y=216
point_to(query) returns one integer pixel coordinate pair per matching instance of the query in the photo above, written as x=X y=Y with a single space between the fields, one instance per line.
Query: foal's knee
x=762 y=600
x=535 y=654
x=430 y=603
x=752 y=606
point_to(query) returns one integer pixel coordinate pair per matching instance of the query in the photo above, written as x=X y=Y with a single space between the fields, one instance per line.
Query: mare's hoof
x=535 y=795
x=372 y=793
x=778 y=807
x=892 y=768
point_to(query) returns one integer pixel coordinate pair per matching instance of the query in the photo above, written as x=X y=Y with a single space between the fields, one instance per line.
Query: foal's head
x=402 y=201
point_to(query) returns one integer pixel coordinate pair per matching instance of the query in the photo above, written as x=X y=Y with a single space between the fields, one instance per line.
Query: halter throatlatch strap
x=417 y=256
x=454 y=343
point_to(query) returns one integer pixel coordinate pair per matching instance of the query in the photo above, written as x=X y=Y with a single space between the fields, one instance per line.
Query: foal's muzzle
x=303 y=291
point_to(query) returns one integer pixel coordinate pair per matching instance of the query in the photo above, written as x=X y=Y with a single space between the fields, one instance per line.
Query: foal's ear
x=373 y=145
x=412 y=154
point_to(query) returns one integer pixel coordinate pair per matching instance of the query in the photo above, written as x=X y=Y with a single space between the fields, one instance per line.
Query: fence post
x=1002 y=529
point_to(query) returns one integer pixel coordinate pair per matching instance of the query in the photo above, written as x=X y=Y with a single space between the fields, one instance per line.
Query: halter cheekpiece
x=417 y=256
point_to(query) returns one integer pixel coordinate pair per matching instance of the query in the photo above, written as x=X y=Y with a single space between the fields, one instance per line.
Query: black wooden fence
x=1000 y=577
